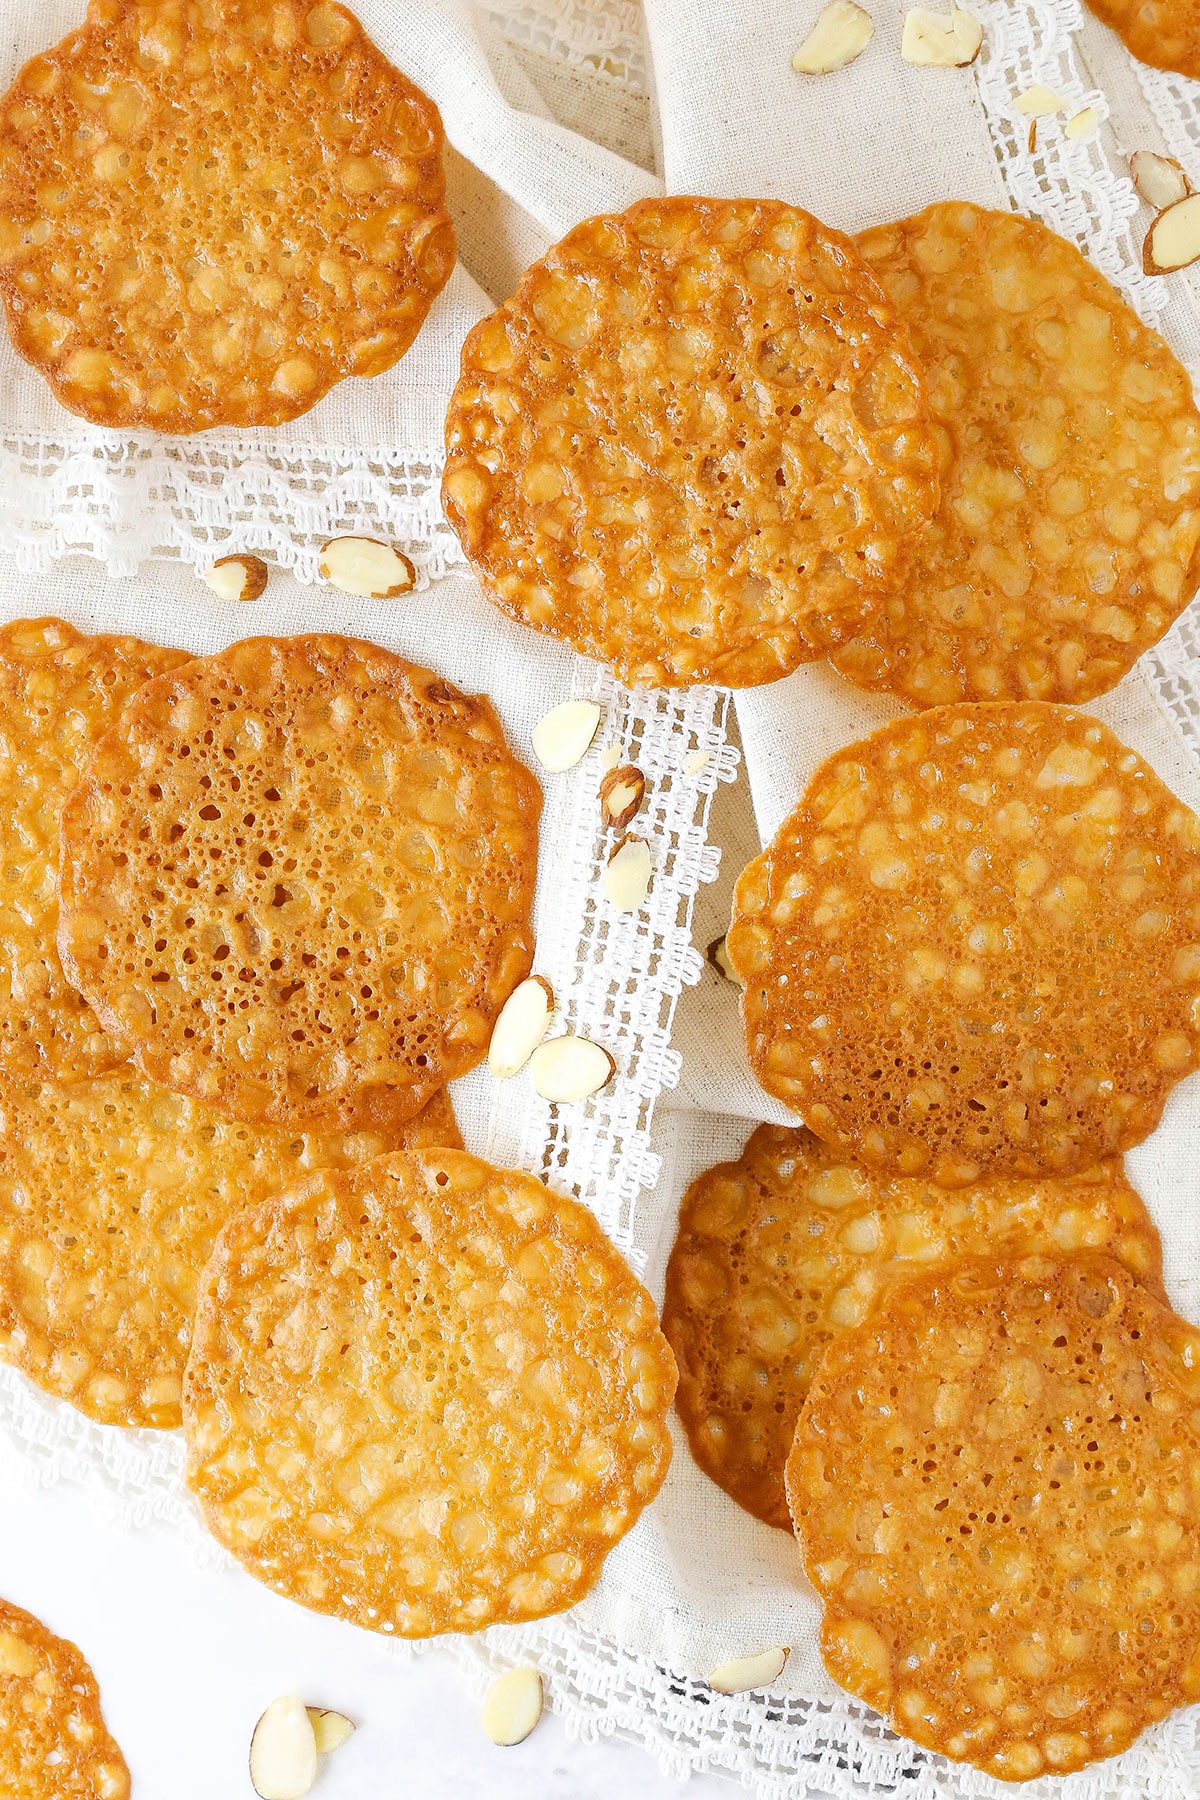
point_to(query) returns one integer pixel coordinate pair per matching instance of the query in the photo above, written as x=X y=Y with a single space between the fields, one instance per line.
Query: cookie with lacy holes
x=54 y=1744
x=994 y=1486
x=795 y=1242
x=1163 y=33
x=973 y=949
x=1068 y=536
x=297 y=880
x=694 y=443
x=112 y=1192
x=59 y=693
x=209 y=214
x=425 y=1395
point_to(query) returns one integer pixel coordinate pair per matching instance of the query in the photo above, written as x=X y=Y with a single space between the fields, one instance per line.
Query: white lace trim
x=604 y=38
x=125 y=501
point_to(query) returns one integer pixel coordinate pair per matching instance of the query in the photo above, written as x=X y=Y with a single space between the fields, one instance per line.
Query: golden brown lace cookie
x=425 y=1394
x=112 y=1192
x=1164 y=33
x=209 y=214
x=694 y=443
x=994 y=1487
x=59 y=693
x=795 y=1242
x=297 y=880
x=1068 y=535
x=973 y=949
x=54 y=1744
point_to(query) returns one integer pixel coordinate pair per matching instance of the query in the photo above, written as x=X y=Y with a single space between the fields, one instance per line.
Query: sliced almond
x=563 y=737
x=842 y=32
x=699 y=759
x=367 y=568
x=718 y=956
x=931 y=40
x=512 y=1706
x=570 y=1068
x=621 y=793
x=1173 y=241
x=1039 y=102
x=627 y=876
x=241 y=577
x=1083 y=124
x=745 y=1673
x=283 y=1751
x=1031 y=140
x=330 y=1729
x=1160 y=180
x=609 y=758
x=523 y=1023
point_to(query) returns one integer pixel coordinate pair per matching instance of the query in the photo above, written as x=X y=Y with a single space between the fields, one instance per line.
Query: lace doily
x=124 y=501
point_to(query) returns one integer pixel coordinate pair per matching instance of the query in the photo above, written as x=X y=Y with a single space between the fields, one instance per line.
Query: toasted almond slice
x=1031 y=140
x=621 y=793
x=330 y=1729
x=747 y=1672
x=1173 y=241
x=931 y=40
x=1039 y=102
x=563 y=737
x=718 y=956
x=627 y=876
x=367 y=568
x=1160 y=180
x=570 y=1068
x=512 y=1706
x=283 y=1751
x=842 y=32
x=523 y=1023
x=241 y=577
x=1083 y=124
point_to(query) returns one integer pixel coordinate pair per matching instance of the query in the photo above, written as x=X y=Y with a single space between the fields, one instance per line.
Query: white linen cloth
x=698 y=1580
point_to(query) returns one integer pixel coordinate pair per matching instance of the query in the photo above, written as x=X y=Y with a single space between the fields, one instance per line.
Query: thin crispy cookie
x=1163 y=33
x=59 y=693
x=795 y=1242
x=112 y=1193
x=694 y=444
x=974 y=946
x=994 y=1485
x=209 y=214
x=297 y=880
x=425 y=1395
x=1067 y=538
x=54 y=1744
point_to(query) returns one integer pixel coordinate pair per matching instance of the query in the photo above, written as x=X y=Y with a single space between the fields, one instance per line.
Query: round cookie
x=426 y=1395
x=297 y=880
x=994 y=1485
x=1068 y=534
x=211 y=214
x=54 y=1744
x=974 y=947
x=694 y=443
x=59 y=693
x=795 y=1242
x=1163 y=33
x=112 y=1192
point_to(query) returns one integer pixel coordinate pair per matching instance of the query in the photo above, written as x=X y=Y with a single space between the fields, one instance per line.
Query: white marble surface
x=187 y=1659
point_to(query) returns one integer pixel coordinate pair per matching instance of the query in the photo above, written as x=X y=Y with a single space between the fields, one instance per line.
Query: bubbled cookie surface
x=974 y=946
x=297 y=880
x=112 y=1192
x=426 y=1395
x=694 y=444
x=59 y=693
x=209 y=214
x=1164 y=33
x=995 y=1487
x=1066 y=540
x=54 y=1744
x=796 y=1242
